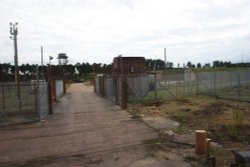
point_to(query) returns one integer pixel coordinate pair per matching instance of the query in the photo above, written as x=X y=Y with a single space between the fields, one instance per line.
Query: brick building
x=128 y=65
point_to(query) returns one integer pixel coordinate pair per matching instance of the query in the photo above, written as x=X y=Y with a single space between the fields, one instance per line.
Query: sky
x=99 y=30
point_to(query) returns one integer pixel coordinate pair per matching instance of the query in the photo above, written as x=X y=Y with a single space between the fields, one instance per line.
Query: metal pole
x=214 y=79
x=165 y=58
x=37 y=73
x=124 y=94
x=14 y=32
x=155 y=85
x=2 y=85
x=197 y=83
x=239 y=87
x=42 y=70
x=50 y=98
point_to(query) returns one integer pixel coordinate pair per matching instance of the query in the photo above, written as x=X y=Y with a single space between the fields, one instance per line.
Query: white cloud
x=97 y=31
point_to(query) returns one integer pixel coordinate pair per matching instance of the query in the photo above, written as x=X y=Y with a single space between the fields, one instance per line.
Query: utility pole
x=13 y=33
x=42 y=69
x=165 y=58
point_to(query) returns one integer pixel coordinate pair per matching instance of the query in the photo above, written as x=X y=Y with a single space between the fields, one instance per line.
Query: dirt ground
x=227 y=123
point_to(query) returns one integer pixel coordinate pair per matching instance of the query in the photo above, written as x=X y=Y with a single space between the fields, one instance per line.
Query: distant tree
x=23 y=69
x=97 y=67
x=216 y=63
x=170 y=65
x=189 y=64
x=6 y=72
x=207 y=65
x=55 y=69
x=149 y=64
x=107 y=68
x=198 y=65
x=160 y=64
x=69 y=69
x=228 y=64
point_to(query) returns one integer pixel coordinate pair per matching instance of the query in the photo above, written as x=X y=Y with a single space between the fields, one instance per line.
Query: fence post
x=50 y=98
x=94 y=84
x=231 y=80
x=101 y=81
x=155 y=84
x=197 y=83
x=3 y=98
x=64 y=86
x=2 y=85
x=239 y=87
x=54 y=91
x=116 y=89
x=214 y=83
x=37 y=100
x=124 y=94
x=176 y=88
x=189 y=81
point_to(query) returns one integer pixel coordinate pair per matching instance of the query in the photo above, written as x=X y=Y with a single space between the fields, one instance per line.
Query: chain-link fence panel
x=228 y=84
x=14 y=109
x=32 y=105
x=138 y=87
x=42 y=99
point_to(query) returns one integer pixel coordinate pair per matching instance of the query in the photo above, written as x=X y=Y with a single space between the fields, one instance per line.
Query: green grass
x=170 y=93
x=88 y=76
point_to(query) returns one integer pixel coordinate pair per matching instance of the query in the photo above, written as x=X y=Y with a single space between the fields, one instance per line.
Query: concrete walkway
x=86 y=130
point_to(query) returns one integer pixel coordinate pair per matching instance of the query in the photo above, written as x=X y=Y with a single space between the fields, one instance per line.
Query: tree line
x=30 y=71
x=216 y=63
x=69 y=71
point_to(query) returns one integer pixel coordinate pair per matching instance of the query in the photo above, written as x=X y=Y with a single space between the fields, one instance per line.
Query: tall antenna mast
x=41 y=55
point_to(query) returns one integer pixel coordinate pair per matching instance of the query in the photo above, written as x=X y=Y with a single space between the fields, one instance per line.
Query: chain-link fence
x=228 y=84
x=231 y=84
x=121 y=88
x=30 y=103
x=109 y=87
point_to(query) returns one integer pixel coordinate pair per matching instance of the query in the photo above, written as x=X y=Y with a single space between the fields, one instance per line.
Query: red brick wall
x=129 y=65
